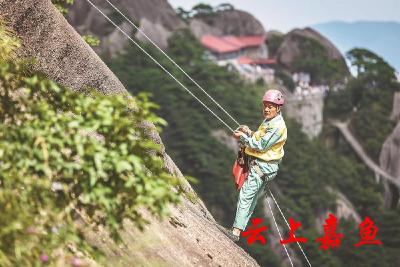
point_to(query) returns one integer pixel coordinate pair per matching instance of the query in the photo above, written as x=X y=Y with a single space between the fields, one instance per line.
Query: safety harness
x=242 y=165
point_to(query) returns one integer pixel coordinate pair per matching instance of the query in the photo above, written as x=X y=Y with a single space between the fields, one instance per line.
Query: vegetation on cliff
x=64 y=154
x=62 y=5
x=367 y=100
x=202 y=11
x=314 y=60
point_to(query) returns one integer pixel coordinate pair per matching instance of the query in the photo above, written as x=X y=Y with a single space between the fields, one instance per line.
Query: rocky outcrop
x=60 y=54
x=181 y=240
x=396 y=107
x=307 y=111
x=291 y=50
x=189 y=236
x=156 y=18
x=389 y=160
x=228 y=22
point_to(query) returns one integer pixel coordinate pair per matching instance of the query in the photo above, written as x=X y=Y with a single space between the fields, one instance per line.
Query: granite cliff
x=389 y=158
x=291 y=48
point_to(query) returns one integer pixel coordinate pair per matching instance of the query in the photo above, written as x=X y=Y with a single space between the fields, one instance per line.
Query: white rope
x=162 y=67
x=170 y=59
x=288 y=225
x=279 y=232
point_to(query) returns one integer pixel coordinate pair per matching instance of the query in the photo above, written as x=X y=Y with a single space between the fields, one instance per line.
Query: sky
x=284 y=15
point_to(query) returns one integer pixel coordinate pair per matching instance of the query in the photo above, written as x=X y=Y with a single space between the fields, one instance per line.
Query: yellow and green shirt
x=266 y=144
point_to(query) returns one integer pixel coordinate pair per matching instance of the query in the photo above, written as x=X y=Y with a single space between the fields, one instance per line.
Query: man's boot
x=229 y=233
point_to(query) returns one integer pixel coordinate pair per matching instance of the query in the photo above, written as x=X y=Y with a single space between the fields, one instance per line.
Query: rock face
x=182 y=240
x=228 y=22
x=307 y=111
x=396 y=107
x=156 y=18
x=61 y=54
x=290 y=49
x=389 y=160
x=189 y=236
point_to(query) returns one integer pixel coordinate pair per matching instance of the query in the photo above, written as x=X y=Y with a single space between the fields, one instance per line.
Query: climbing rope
x=204 y=105
x=279 y=232
x=170 y=59
x=276 y=203
x=161 y=66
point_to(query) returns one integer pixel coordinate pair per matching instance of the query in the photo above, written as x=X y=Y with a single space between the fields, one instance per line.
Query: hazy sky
x=284 y=15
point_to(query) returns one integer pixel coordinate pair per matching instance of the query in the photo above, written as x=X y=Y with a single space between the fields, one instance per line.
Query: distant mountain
x=383 y=38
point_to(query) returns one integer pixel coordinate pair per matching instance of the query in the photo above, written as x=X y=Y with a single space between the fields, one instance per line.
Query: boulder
x=290 y=49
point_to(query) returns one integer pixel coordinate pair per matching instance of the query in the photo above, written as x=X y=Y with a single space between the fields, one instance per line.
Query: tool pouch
x=240 y=168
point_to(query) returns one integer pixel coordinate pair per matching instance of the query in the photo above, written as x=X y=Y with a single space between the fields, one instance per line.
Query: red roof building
x=227 y=44
x=245 y=50
x=248 y=55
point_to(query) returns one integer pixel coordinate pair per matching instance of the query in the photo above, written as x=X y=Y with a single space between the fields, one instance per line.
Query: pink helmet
x=274 y=96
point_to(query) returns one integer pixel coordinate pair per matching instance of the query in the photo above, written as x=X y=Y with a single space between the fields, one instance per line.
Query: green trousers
x=251 y=190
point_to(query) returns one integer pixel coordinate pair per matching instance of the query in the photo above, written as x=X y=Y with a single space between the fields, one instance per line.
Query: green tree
x=368 y=63
x=225 y=6
x=372 y=94
x=202 y=9
x=285 y=78
x=274 y=41
x=62 y=5
x=316 y=61
x=64 y=153
x=183 y=14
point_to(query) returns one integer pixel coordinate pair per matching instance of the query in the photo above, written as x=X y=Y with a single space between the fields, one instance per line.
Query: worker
x=264 y=150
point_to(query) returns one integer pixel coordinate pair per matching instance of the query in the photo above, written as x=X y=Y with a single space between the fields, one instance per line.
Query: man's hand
x=237 y=134
x=245 y=129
